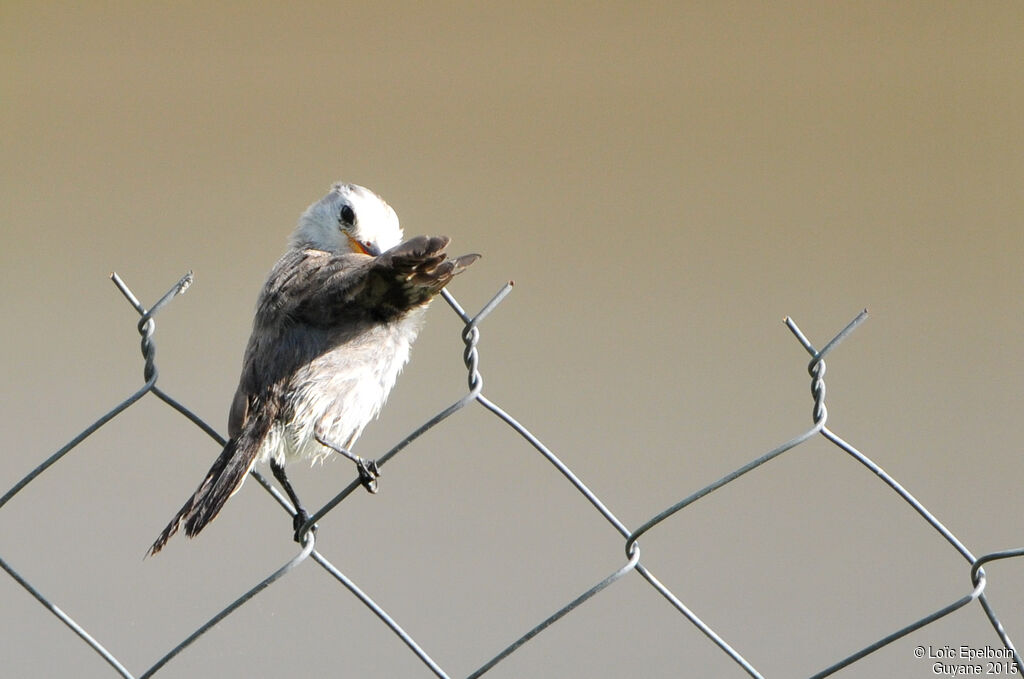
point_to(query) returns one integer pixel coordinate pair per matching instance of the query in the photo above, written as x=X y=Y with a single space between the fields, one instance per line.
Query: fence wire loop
x=368 y=473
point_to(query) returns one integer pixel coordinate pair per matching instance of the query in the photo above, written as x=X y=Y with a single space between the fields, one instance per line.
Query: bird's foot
x=368 y=474
x=298 y=521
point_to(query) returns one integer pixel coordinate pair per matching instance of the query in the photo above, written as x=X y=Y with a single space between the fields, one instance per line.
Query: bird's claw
x=368 y=474
x=298 y=521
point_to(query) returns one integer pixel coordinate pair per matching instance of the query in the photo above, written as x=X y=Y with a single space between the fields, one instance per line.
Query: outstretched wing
x=324 y=289
x=409 y=275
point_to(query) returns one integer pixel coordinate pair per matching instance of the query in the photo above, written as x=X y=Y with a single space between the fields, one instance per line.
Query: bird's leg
x=368 y=471
x=301 y=515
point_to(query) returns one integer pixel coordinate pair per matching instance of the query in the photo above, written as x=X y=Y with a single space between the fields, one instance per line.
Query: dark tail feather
x=224 y=478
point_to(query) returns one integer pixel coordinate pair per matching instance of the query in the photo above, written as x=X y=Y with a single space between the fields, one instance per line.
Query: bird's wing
x=410 y=275
x=324 y=289
x=239 y=412
x=309 y=286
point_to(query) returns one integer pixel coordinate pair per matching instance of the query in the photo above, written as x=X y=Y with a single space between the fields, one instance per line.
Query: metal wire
x=367 y=478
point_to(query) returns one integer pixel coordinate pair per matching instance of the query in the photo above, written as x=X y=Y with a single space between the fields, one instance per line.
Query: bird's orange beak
x=365 y=248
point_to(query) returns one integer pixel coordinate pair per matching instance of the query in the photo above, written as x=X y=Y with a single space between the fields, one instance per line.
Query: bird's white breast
x=340 y=391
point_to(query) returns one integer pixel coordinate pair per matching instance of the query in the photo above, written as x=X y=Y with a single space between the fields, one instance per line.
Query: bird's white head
x=349 y=218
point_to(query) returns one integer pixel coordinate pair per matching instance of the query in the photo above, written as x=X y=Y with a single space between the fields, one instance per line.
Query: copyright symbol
x=919 y=652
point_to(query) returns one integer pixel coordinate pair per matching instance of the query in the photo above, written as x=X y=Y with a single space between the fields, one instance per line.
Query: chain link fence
x=632 y=561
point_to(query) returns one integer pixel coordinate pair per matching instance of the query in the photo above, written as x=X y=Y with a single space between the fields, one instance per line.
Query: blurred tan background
x=665 y=182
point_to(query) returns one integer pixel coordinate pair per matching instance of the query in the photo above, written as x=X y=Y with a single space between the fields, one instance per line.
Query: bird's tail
x=224 y=478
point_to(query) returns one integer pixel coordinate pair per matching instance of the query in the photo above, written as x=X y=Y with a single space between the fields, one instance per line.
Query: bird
x=333 y=328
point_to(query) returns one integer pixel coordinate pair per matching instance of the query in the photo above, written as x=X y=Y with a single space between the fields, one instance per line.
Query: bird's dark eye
x=347 y=216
